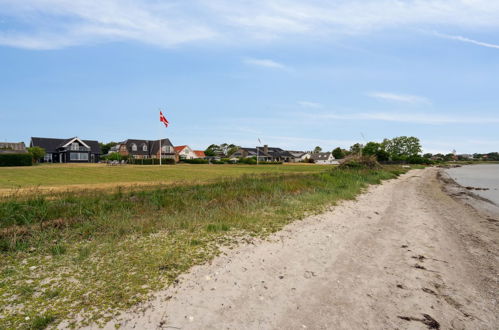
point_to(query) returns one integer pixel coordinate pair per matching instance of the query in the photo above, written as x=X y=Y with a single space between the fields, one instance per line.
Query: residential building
x=145 y=149
x=72 y=150
x=264 y=153
x=12 y=148
x=324 y=158
x=200 y=154
x=300 y=156
x=184 y=152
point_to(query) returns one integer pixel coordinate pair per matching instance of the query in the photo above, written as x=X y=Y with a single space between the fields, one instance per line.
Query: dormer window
x=144 y=147
x=134 y=147
x=75 y=146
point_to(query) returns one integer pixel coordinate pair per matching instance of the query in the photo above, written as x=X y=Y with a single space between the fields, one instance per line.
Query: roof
x=155 y=145
x=298 y=153
x=51 y=144
x=179 y=148
x=199 y=153
x=152 y=146
x=271 y=152
x=321 y=156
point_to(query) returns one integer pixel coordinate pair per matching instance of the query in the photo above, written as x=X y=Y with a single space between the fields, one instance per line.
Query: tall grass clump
x=90 y=254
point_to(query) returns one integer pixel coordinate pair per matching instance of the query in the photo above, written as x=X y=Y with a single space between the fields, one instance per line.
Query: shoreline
x=404 y=252
x=458 y=192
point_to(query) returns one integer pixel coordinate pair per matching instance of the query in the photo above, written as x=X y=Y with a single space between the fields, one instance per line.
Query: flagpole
x=160 y=151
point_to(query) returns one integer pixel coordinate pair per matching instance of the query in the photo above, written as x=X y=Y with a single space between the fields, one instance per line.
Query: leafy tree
x=428 y=155
x=376 y=149
x=402 y=147
x=317 y=150
x=225 y=149
x=37 y=153
x=338 y=153
x=228 y=149
x=493 y=156
x=356 y=149
x=448 y=157
x=105 y=147
x=371 y=148
x=212 y=150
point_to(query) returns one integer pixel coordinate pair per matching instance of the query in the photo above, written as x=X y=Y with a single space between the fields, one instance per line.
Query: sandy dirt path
x=404 y=255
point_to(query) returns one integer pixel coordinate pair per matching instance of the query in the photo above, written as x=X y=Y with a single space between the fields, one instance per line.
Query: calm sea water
x=479 y=176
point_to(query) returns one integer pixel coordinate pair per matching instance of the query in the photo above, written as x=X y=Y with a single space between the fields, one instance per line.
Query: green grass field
x=54 y=175
x=87 y=256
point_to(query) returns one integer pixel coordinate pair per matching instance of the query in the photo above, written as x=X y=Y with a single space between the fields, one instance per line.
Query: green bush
x=417 y=159
x=195 y=161
x=16 y=160
x=252 y=161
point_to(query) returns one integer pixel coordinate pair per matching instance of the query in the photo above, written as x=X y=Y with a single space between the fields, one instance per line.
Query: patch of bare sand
x=404 y=255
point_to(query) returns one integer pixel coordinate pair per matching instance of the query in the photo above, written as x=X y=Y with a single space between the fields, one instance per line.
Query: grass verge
x=87 y=256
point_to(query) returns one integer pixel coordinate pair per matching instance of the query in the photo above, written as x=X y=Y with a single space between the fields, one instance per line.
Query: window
x=144 y=147
x=79 y=156
x=167 y=149
x=75 y=146
x=134 y=147
x=47 y=158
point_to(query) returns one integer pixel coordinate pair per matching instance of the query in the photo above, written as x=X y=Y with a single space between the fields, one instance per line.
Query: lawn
x=86 y=256
x=57 y=175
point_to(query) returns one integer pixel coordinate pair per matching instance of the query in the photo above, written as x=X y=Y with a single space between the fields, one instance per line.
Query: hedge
x=16 y=160
x=150 y=161
x=195 y=161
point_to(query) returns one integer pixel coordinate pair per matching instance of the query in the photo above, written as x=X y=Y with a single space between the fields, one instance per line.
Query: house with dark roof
x=12 y=148
x=145 y=149
x=72 y=150
x=265 y=153
x=300 y=156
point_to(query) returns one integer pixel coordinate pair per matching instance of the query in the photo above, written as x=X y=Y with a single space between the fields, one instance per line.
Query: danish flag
x=163 y=119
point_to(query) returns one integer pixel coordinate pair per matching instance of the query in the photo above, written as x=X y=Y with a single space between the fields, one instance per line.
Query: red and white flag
x=163 y=119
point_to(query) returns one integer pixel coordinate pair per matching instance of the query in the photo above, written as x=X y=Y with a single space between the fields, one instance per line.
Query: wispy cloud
x=468 y=40
x=266 y=63
x=308 y=104
x=406 y=98
x=421 y=118
x=48 y=24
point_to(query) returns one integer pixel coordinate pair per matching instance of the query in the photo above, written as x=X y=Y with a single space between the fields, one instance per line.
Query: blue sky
x=295 y=74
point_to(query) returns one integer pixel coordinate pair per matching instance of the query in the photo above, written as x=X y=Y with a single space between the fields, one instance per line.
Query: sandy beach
x=418 y=252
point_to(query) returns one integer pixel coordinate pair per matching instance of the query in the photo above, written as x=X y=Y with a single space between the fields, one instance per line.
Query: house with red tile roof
x=186 y=152
x=199 y=153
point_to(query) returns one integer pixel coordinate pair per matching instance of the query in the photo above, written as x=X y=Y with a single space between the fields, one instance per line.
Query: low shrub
x=16 y=160
x=417 y=159
x=195 y=161
x=252 y=161
x=360 y=162
x=165 y=161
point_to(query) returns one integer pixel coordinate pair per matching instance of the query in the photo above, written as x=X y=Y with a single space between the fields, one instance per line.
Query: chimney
x=266 y=149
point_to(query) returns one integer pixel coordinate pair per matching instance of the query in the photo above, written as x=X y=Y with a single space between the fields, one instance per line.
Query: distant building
x=200 y=153
x=300 y=156
x=324 y=158
x=145 y=149
x=72 y=150
x=12 y=148
x=265 y=153
x=184 y=152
